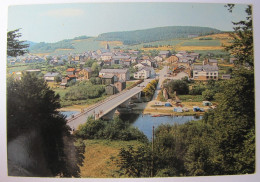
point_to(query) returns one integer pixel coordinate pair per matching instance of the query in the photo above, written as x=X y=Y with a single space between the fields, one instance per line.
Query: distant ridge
x=156 y=34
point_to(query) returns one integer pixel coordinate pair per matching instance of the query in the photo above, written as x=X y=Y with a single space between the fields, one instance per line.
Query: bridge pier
x=137 y=97
x=125 y=104
x=109 y=115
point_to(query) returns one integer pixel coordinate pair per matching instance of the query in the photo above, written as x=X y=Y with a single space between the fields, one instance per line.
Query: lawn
x=97 y=158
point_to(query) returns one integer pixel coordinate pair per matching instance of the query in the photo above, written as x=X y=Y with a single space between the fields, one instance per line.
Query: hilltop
x=157 y=34
x=162 y=36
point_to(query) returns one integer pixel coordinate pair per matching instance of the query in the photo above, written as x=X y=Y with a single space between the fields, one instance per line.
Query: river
x=145 y=123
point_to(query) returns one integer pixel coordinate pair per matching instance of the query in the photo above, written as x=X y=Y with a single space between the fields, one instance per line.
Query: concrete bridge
x=105 y=109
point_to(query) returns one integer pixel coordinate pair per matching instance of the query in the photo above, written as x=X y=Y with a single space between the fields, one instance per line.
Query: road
x=161 y=77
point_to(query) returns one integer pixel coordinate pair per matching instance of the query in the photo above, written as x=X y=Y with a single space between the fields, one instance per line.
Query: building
x=84 y=74
x=50 y=77
x=110 y=89
x=121 y=74
x=120 y=86
x=164 y=54
x=108 y=79
x=212 y=62
x=71 y=71
x=172 y=59
x=205 y=72
x=142 y=74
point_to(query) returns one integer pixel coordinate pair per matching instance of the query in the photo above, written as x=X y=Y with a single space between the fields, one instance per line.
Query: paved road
x=106 y=106
x=161 y=77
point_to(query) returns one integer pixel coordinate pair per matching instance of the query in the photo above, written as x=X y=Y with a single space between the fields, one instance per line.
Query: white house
x=205 y=72
x=142 y=74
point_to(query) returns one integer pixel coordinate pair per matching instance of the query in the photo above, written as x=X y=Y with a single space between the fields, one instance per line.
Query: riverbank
x=150 y=108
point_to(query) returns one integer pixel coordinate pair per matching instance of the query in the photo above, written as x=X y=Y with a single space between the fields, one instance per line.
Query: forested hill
x=156 y=34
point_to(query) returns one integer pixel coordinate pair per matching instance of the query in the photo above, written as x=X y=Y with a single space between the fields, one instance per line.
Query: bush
x=115 y=129
x=208 y=95
x=180 y=86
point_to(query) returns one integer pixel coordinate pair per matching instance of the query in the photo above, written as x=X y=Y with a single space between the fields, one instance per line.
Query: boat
x=157 y=115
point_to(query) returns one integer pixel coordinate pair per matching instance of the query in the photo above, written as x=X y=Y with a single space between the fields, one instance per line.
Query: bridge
x=106 y=108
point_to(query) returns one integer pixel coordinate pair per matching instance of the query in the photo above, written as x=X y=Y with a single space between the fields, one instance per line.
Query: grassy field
x=203 y=43
x=17 y=68
x=98 y=155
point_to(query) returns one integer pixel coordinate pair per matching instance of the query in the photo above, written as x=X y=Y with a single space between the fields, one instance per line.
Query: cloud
x=68 y=12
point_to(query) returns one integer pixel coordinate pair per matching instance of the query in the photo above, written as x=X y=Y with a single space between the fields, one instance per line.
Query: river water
x=145 y=123
x=68 y=114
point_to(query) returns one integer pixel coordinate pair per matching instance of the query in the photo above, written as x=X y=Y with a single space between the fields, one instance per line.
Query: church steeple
x=107 y=46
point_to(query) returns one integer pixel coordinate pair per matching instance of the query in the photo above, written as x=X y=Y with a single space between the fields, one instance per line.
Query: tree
x=32 y=107
x=57 y=78
x=180 y=86
x=242 y=44
x=14 y=46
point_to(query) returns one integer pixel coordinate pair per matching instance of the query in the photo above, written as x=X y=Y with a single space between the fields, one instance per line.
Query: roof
x=51 y=74
x=88 y=69
x=213 y=61
x=113 y=71
x=108 y=76
x=70 y=69
x=71 y=76
x=121 y=57
x=205 y=68
x=164 y=52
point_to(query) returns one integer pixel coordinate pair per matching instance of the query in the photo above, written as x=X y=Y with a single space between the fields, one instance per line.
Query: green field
x=196 y=42
x=172 y=42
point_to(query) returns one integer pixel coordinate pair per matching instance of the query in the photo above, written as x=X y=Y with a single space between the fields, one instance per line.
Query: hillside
x=156 y=34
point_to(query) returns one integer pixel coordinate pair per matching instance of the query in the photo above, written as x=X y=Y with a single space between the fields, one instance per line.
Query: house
x=110 y=89
x=158 y=58
x=50 y=77
x=205 y=72
x=108 y=79
x=147 y=62
x=212 y=62
x=121 y=74
x=139 y=66
x=142 y=74
x=172 y=59
x=184 y=62
x=71 y=71
x=164 y=54
x=120 y=85
x=84 y=74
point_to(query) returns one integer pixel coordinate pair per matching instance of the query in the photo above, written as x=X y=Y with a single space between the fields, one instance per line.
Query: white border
x=3 y=157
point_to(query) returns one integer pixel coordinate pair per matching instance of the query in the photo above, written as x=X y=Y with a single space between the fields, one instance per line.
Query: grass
x=17 y=68
x=191 y=98
x=203 y=43
x=98 y=155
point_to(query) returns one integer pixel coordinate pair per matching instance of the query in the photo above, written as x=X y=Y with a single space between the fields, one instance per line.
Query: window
x=211 y=73
x=215 y=73
x=207 y=73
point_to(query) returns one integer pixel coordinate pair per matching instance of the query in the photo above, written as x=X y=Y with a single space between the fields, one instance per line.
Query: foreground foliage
x=32 y=108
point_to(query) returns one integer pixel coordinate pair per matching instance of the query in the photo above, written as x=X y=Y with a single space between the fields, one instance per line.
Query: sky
x=55 y=22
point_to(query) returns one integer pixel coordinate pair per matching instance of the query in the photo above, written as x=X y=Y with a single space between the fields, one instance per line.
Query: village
x=117 y=69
